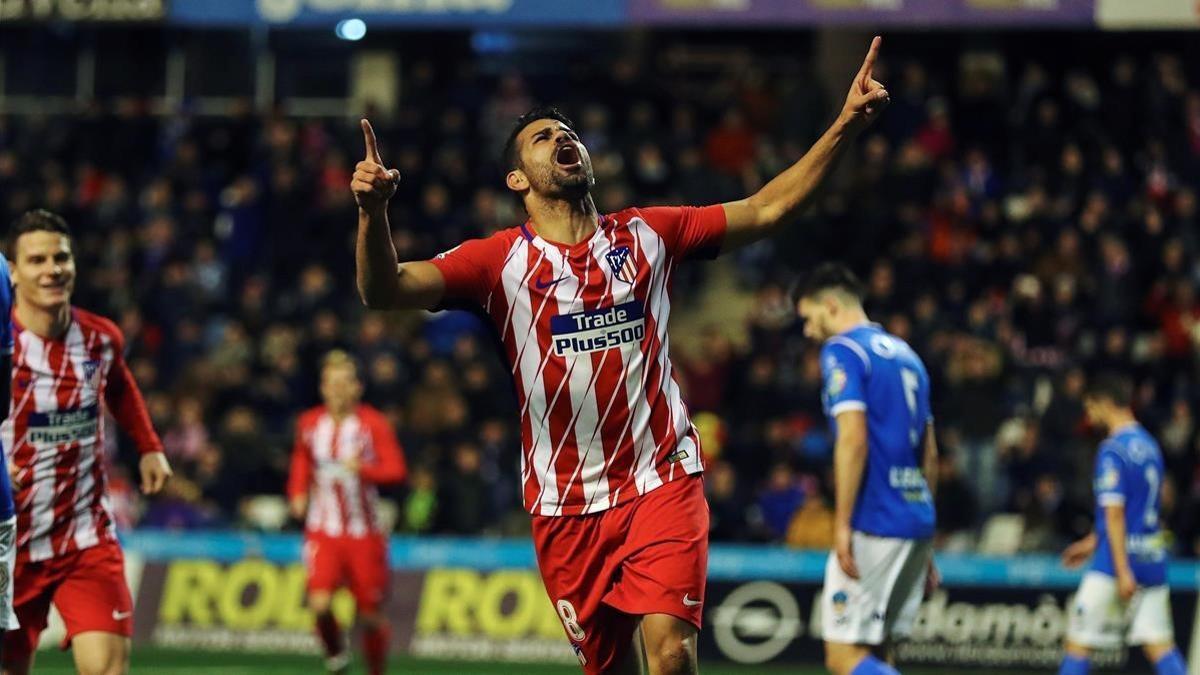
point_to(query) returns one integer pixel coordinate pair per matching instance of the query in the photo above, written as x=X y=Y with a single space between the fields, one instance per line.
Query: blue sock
x=1171 y=664
x=873 y=666
x=1073 y=665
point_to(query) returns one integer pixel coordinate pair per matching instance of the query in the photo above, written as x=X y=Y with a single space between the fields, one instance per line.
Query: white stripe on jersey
x=645 y=477
x=560 y=269
x=676 y=408
x=327 y=516
x=529 y=363
x=592 y=468
x=347 y=448
x=581 y=379
x=83 y=523
x=42 y=482
x=620 y=294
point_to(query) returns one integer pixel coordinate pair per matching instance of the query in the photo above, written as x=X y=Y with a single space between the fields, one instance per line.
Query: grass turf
x=173 y=662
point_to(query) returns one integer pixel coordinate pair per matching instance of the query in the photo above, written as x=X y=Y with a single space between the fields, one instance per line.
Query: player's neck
x=340 y=413
x=852 y=320
x=1119 y=420
x=563 y=221
x=48 y=323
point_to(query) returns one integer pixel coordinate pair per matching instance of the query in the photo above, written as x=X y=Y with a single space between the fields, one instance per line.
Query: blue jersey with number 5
x=868 y=369
x=1129 y=471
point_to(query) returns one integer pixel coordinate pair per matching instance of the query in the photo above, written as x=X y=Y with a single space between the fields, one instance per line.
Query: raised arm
x=384 y=282
x=786 y=196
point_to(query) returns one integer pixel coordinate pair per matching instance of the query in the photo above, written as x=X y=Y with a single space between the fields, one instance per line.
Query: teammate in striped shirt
x=581 y=301
x=68 y=370
x=343 y=449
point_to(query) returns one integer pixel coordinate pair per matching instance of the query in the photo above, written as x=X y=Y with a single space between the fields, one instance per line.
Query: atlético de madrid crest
x=621 y=261
x=91 y=372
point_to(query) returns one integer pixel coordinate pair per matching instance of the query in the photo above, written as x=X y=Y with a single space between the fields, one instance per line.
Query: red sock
x=375 y=645
x=329 y=633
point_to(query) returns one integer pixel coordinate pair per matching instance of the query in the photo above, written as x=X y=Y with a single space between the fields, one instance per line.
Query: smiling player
x=68 y=368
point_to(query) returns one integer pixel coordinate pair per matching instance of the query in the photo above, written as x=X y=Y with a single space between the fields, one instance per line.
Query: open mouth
x=567 y=156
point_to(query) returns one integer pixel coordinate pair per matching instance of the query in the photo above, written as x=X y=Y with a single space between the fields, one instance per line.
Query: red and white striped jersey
x=585 y=331
x=61 y=389
x=342 y=501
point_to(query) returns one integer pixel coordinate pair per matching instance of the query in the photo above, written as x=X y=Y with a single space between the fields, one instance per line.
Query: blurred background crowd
x=1021 y=225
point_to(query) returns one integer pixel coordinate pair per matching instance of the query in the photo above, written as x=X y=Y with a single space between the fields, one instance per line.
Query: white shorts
x=1101 y=621
x=8 y=558
x=882 y=603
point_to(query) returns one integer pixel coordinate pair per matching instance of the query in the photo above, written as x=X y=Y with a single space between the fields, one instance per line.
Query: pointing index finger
x=864 y=74
x=372 y=145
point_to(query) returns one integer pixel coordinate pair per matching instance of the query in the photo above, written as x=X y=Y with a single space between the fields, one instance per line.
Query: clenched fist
x=372 y=184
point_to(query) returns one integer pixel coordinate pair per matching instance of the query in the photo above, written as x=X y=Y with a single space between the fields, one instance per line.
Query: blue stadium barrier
x=726 y=562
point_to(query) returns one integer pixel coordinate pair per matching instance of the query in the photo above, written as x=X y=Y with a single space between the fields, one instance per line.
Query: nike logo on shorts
x=688 y=602
x=121 y=616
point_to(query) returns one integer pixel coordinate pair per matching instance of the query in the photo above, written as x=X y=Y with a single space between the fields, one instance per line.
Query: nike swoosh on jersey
x=543 y=286
x=121 y=616
x=687 y=601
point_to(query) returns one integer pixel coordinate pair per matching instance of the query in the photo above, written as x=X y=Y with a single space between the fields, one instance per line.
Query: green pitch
x=171 y=662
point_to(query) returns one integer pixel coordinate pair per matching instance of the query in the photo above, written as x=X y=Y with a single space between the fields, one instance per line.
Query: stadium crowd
x=1020 y=227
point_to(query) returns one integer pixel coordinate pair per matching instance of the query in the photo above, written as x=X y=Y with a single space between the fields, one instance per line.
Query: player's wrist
x=373 y=212
x=846 y=124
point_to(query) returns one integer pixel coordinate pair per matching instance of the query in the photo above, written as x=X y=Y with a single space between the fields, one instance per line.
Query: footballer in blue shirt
x=876 y=395
x=1123 y=598
x=8 y=518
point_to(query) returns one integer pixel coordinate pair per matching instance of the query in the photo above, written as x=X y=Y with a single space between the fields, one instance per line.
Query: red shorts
x=360 y=563
x=87 y=587
x=604 y=570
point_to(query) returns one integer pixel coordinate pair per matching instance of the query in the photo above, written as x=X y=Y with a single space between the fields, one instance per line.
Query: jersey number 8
x=570 y=620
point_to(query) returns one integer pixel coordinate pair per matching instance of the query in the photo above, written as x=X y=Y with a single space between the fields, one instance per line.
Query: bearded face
x=554 y=163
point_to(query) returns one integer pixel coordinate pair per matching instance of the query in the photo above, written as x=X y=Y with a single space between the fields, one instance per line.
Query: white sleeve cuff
x=1111 y=499
x=846 y=406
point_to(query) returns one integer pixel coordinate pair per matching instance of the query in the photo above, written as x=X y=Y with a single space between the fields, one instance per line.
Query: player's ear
x=517 y=181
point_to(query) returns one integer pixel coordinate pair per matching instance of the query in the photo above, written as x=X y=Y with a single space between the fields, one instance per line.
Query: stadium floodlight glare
x=351 y=29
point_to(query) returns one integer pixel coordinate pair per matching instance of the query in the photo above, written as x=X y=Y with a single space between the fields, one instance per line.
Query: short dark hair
x=1115 y=387
x=512 y=156
x=37 y=220
x=828 y=276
